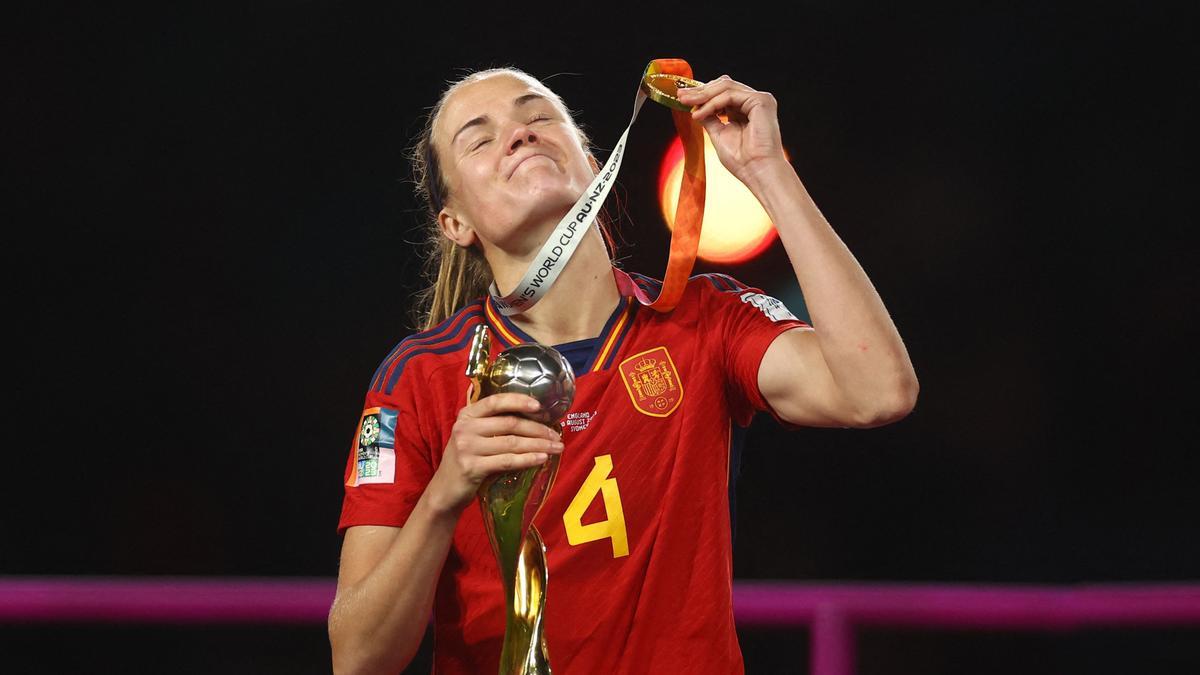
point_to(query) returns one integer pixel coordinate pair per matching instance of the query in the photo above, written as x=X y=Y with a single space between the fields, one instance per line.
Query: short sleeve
x=390 y=462
x=748 y=322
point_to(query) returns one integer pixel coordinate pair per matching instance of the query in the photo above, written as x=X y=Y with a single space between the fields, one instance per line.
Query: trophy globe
x=538 y=371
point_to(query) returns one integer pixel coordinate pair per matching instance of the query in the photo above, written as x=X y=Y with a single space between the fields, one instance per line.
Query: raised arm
x=852 y=369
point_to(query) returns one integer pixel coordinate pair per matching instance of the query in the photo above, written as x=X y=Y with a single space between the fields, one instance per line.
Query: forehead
x=490 y=96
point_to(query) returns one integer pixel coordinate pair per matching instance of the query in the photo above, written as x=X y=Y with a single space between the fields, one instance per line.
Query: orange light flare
x=736 y=228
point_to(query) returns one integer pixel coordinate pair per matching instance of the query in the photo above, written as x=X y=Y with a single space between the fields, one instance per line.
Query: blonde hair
x=457 y=275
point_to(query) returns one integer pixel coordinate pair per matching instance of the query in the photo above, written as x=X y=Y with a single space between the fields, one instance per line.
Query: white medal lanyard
x=564 y=241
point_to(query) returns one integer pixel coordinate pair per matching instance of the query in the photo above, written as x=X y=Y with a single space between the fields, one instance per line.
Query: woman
x=637 y=527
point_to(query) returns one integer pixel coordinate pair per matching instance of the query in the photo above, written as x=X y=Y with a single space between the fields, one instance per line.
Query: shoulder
x=715 y=282
x=716 y=294
x=700 y=287
x=421 y=354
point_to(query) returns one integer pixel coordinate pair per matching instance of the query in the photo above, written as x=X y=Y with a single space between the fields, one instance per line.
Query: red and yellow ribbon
x=660 y=82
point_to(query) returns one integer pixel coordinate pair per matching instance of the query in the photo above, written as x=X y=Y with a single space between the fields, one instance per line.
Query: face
x=512 y=160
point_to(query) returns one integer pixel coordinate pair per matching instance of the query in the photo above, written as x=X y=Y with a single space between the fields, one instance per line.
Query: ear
x=456 y=230
x=594 y=164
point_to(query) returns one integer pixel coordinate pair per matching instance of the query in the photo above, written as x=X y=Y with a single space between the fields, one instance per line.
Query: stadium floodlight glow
x=736 y=227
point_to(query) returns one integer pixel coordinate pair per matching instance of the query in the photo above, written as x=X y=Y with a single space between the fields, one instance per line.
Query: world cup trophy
x=510 y=500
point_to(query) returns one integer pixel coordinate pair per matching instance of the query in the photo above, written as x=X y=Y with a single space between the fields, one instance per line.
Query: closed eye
x=485 y=141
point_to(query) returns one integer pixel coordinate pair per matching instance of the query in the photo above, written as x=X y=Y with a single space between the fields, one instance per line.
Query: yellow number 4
x=614 y=527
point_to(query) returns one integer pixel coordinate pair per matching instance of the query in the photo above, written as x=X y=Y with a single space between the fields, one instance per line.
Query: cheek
x=582 y=168
x=475 y=184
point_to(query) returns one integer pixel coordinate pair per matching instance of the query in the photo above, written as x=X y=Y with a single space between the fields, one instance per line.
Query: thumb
x=713 y=126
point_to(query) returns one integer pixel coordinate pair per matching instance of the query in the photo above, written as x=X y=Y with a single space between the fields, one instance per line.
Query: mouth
x=518 y=164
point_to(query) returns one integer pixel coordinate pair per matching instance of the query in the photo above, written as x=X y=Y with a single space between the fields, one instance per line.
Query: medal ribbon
x=660 y=82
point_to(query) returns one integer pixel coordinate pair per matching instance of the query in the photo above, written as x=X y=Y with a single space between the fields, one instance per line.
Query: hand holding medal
x=743 y=124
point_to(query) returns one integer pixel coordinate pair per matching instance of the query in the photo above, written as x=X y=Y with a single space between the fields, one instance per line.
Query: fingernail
x=557 y=445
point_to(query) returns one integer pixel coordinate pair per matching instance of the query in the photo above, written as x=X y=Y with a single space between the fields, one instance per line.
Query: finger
x=729 y=81
x=497 y=404
x=729 y=102
x=514 y=445
x=712 y=125
x=722 y=83
x=487 y=466
x=701 y=94
x=499 y=425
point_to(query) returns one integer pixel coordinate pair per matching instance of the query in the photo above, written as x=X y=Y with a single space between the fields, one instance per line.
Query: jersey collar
x=507 y=334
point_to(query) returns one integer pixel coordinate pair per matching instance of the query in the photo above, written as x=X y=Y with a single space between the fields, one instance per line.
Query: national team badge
x=375 y=448
x=652 y=382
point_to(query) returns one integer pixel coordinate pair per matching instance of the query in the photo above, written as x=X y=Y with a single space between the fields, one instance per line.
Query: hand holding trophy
x=510 y=500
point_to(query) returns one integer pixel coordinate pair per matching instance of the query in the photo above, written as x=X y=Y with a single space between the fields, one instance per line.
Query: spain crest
x=652 y=382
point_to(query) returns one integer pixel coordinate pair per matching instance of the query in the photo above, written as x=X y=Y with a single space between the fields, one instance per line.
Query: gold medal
x=664 y=88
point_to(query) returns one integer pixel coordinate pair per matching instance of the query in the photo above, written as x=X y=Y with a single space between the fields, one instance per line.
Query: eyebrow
x=482 y=119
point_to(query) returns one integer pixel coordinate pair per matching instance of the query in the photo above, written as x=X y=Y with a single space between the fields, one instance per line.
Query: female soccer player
x=637 y=525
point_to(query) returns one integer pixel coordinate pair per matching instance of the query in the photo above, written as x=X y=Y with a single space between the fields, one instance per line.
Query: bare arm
x=385 y=591
x=388 y=575
x=853 y=369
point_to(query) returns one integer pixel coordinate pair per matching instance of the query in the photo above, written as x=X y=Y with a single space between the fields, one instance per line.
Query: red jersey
x=637 y=524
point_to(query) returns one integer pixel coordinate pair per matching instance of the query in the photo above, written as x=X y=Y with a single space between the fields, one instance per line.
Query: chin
x=552 y=198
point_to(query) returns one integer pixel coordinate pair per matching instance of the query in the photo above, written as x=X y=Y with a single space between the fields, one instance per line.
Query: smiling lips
x=526 y=159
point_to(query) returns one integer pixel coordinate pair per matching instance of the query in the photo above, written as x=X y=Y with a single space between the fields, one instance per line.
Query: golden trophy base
x=509 y=501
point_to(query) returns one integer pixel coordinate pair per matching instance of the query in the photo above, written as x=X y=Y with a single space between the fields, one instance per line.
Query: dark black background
x=209 y=226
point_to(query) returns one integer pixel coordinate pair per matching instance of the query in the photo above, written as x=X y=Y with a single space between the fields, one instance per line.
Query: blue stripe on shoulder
x=734 y=283
x=723 y=282
x=647 y=283
x=440 y=348
x=410 y=341
x=425 y=338
x=719 y=281
x=718 y=284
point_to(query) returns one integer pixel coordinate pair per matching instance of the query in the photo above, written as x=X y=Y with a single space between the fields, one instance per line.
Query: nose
x=520 y=135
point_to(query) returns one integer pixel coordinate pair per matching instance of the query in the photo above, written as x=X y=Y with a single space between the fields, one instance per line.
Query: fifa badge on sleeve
x=375 y=448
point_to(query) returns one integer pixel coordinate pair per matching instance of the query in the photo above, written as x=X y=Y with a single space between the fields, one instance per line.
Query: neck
x=578 y=304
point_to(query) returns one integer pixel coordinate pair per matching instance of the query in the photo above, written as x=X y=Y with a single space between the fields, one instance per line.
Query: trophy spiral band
x=510 y=500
